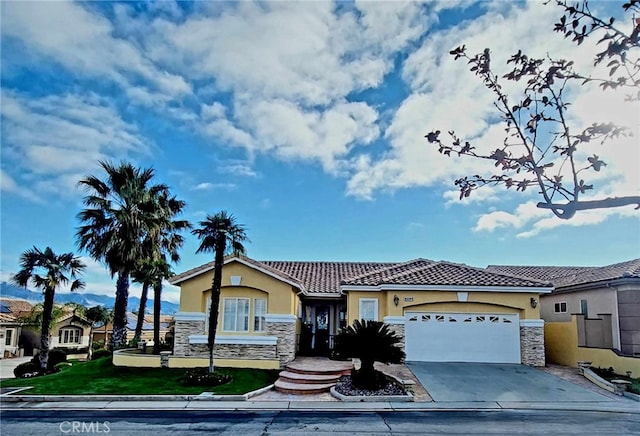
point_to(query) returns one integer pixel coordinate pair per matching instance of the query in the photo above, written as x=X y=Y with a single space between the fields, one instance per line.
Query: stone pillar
x=284 y=328
x=396 y=325
x=532 y=342
x=187 y=323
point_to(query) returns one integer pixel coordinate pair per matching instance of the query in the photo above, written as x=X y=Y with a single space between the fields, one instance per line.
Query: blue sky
x=304 y=119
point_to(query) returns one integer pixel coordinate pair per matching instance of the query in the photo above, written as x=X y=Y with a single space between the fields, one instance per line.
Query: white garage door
x=462 y=337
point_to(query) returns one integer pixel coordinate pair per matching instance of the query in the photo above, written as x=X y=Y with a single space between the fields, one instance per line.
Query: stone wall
x=398 y=329
x=183 y=329
x=532 y=346
x=233 y=351
x=286 y=334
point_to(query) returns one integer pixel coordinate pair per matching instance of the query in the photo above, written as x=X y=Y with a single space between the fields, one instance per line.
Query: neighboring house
x=102 y=333
x=72 y=332
x=603 y=302
x=11 y=313
x=270 y=311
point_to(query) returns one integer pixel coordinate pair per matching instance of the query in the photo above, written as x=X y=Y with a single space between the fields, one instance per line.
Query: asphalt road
x=159 y=423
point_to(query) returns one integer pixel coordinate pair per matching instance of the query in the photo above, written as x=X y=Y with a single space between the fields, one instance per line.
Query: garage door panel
x=448 y=337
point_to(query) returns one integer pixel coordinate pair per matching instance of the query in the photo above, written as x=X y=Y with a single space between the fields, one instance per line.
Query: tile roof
x=324 y=278
x=427 y=272
x=16 y=306
x=565 y=276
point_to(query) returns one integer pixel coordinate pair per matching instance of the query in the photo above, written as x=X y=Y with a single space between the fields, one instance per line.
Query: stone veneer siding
x=398 y=329
x=285 y=350
x=286 y=334
x=183 y=329
x=532 y=346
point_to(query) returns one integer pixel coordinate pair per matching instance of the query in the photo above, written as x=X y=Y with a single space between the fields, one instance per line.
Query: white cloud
x=208 y=186
x=84 y=42
x=60 y=138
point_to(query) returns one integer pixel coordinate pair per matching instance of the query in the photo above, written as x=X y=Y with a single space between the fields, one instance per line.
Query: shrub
x=26 y=369
x=369 y=341
x=100 y=353
x=72 y=350
x=97 y=345
x=202 y=377
x=56 y=356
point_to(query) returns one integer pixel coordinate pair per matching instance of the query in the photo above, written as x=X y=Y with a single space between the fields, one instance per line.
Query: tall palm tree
x=143 y=274
x=48 y=271
x=220 y=234
x=122 y=210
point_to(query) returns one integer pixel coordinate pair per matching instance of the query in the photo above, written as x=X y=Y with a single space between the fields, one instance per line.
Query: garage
x=462 y=337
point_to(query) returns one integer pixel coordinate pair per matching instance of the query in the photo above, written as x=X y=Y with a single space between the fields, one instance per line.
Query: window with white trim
x=368 y=308
x=9 y=337
x=69 y=335
x=560 y=307
x=235 y=315
x=259 y=311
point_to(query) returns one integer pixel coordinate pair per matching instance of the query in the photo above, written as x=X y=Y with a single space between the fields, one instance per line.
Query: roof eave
x=460 y=288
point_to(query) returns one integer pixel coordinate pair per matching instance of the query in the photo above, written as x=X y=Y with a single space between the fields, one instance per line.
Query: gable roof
x=326 y=279
x=423 y=272
x=567 y=276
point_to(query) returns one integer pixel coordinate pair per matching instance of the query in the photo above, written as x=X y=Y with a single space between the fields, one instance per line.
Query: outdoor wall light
x=534 y=303
x=396 y=300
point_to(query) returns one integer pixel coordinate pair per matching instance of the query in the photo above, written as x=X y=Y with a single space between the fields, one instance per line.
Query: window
x=70 y=335
x=8 y=337
x=560 y=307
x=259 y=311
x=235 y=316
x=369 y=309
x=584 y=308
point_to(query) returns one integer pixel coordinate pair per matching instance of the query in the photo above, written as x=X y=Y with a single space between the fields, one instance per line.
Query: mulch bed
x=345 y=387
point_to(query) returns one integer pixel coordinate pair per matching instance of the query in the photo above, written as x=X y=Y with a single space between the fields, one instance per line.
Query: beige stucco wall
x=282 y=298
x=601 y=300
x=71 y=322
x=445 y=301
x=561 y=346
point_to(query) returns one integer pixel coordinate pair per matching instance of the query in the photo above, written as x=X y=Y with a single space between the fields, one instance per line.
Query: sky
x=306 y=120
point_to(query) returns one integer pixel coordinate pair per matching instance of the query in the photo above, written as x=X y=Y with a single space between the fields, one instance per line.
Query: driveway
x=496 y=382
x=7 y=365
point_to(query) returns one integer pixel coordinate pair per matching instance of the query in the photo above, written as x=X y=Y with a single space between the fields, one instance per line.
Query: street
x=158 y=423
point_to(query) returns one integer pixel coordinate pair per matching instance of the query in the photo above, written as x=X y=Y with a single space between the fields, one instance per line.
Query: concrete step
x=330 y=368
x=295 y=377
x=302 y=389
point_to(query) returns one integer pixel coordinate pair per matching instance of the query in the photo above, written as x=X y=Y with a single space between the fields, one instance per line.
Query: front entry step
x=311 y=376
x=302 y=388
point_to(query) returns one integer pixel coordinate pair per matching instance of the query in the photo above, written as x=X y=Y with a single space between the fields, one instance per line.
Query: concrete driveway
x=7 y=365
x=496 y=382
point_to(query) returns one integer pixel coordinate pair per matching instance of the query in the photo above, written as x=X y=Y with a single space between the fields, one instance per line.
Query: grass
x=101 y=377
x=609 y=374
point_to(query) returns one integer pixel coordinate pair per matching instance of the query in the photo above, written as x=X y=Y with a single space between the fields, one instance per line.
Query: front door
x=321 y=337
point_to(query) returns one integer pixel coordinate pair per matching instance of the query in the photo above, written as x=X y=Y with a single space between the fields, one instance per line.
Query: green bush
x=100 y=353
x=369 y=341
x=72 y=350
x=26 y=369
x=202 y=377
x=97 y=345
x=55 y=356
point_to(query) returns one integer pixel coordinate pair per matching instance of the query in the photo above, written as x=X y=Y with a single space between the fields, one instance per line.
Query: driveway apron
x=496 y=382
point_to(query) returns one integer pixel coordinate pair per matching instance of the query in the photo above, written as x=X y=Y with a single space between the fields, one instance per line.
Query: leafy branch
x=540 y=148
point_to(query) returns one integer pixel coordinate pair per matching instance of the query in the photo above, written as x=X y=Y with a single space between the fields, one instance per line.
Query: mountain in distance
x=7 y=290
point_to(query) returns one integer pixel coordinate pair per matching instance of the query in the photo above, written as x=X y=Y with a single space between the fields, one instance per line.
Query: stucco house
x=71 y=332
x=590 y=309
x=11 y=324
x=270 y=311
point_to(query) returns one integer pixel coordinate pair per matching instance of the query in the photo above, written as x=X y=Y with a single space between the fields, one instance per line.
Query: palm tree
x=219 y=234
x=122 y=210
x=48 y=271
x=369 y=341
x=143 y=274
x=98 y=314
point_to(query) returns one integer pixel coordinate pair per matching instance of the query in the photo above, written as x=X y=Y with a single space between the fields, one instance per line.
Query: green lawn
x=101 y=377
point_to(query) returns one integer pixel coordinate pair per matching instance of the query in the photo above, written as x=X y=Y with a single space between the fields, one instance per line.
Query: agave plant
x=369 y=341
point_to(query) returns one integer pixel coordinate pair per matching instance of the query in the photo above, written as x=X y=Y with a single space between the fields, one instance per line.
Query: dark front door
x=321 y=339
